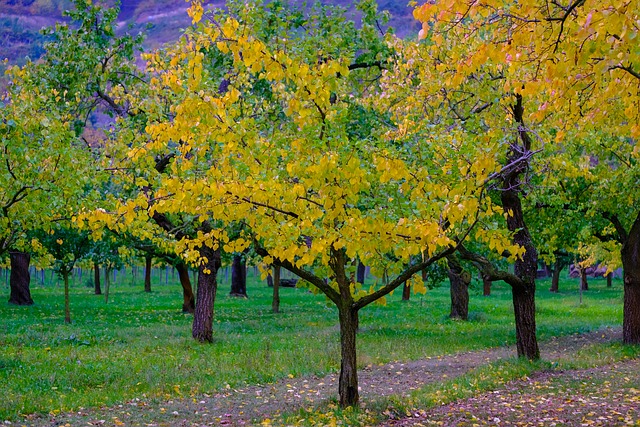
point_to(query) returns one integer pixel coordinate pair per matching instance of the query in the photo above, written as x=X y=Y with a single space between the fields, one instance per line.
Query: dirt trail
x=246 y=406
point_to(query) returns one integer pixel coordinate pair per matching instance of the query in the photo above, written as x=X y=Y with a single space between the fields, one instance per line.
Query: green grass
x=139 y=345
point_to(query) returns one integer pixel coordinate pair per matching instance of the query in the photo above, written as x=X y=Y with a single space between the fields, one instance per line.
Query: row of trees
x=509 y=131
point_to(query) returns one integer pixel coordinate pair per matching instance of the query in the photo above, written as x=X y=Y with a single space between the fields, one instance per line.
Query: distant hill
x=21 y=21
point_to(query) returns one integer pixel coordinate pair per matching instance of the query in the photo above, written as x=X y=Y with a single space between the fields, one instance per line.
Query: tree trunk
x=206 y=294
x=148 y=260
x=275 y=303
x=631 y=277
x=238 y=276
x=584 y=286
x=555 y=277
x=609 y=280
x=188 y=299
x=406 y=291
x=20 y=279
x=96 y=279
x=486 y=285
x=459 y=281
x=348 y=382
x=360 y=272
x=67 y=309
x=107 y=283
x=525 y=315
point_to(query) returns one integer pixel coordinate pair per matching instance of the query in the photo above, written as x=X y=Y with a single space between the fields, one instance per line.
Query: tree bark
x=631 y=277
x=459 y=281
x=348 y=382
x=275 y=303
x=67 y=309
x=20 y=279
x=148 y=263
x=486 y=285
x=188 y=299
x=238 y=276
x=96 y=279
x=406 y=291
x=584 y=285
x=206 y=294
x=609 y=280
x=107 y=283
x=555 y=277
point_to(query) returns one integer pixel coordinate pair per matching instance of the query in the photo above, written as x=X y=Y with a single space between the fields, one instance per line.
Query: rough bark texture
x=275 y=302
x=188 y=299
x=631 y=277
x=486 y=285
x=67 y=308
x=238 y=277
x=406 y=291
x=20 y=279
x=206 y=294
x=96 y=279
x=526 y=267
x=459 y=281
x=348 y=382
x=148 y=259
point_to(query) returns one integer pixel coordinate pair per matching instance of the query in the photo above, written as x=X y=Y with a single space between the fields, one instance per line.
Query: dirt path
x=239 y=407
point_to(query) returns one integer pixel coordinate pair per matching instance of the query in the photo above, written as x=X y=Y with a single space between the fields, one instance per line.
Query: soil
x=250 y=405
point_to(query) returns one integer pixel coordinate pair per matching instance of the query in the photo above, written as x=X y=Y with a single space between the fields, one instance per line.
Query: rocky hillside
x=21 y=21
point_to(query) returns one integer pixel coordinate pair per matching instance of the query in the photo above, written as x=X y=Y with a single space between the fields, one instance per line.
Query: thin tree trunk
x=609 y=280
x=188 y=299
x=555 y=277
x=67 y=309
x=20 y=279
x=96 y=279
x=630 y=254
x=348 y=382
x=406 y=291
x=238 y=276
x=459 y=281
x=107 y=283
x=206 y=295
x=148 y=264
x=275 y=303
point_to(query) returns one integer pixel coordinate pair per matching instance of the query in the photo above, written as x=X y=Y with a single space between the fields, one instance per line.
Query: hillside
x=21 y=21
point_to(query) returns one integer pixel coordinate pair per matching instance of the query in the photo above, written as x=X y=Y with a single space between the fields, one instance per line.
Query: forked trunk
x=188 y=299
x=96 y=279
x=20 y=279
x=148 y=259
x=206 y=294
x=348 y=382
x=275 y=303
x=631 y=276
x=67 y=309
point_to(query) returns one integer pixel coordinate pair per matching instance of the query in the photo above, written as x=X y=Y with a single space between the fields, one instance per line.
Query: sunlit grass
x=139 y=345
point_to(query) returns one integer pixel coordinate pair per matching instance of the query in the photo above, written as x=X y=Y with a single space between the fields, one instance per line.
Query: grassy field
x=139 y=344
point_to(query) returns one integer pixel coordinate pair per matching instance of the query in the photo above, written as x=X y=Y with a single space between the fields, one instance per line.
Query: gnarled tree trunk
x=20 y=279
x=206 y=294
x=188 y=299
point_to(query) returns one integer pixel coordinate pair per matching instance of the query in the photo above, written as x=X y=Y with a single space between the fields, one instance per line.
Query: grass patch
x=139 y=345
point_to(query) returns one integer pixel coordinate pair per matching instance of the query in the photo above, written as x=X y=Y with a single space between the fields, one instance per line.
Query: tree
x=19 y=279
x=238 y=276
